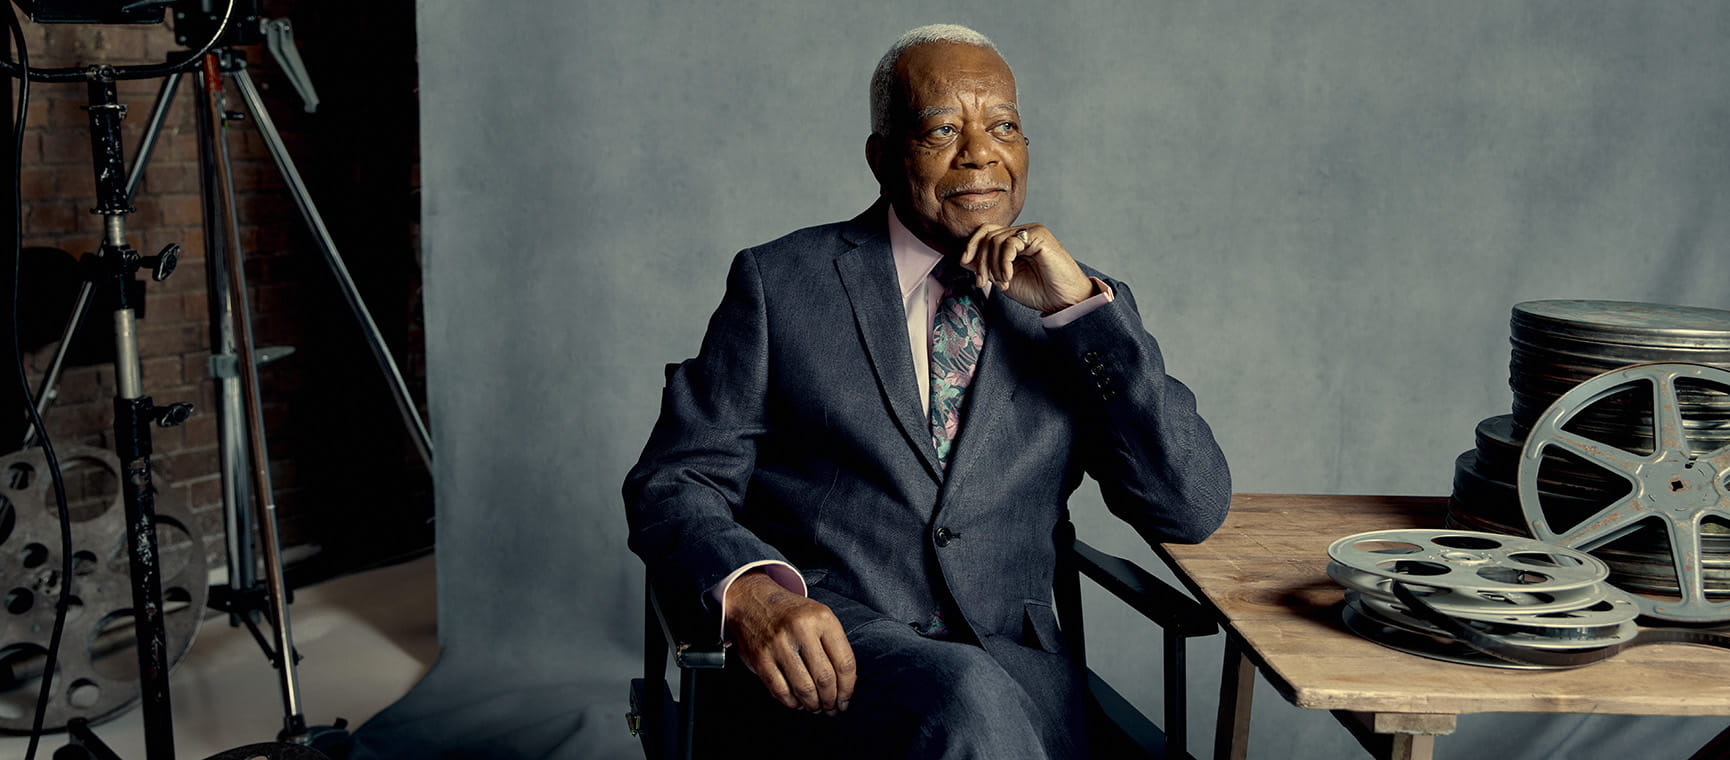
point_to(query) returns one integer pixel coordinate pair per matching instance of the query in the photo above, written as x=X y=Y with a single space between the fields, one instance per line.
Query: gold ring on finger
x=1022 y=235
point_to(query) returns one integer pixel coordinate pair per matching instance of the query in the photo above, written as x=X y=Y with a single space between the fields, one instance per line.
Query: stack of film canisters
x=1558 y=345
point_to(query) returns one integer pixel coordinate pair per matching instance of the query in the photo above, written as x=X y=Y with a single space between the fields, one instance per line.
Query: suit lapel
x=868 y=276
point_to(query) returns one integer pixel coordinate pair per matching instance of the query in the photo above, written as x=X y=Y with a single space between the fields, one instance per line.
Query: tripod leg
x=294 y=721
x=285 y=165
x=82 y=737
x=152 y=129
x=48 y=390
x=231 y=418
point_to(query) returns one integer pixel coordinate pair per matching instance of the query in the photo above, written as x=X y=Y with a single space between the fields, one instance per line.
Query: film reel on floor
x=98 y=669
x=1514 y=593
x=1677 y=487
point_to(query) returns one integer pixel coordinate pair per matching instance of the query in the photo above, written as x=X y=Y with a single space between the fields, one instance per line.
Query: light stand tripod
x=233 y=363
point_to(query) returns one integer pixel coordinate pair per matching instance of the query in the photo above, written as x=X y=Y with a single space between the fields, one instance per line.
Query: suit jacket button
x=942 y=536
x=1091 y=357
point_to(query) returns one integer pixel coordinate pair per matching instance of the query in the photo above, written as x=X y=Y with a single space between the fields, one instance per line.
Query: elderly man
x=862 y=470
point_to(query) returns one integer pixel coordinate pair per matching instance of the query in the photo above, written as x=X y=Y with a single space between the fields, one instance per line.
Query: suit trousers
x=920 y=697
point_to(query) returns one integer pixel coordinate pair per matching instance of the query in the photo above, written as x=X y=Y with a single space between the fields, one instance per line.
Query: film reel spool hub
x=1673 y=486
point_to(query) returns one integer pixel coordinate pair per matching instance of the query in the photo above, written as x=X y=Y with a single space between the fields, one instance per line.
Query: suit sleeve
x=1154 y=457
x=682 y=495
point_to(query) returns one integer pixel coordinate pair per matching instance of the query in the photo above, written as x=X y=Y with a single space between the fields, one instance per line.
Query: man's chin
x=963 y=226
x=950 y=232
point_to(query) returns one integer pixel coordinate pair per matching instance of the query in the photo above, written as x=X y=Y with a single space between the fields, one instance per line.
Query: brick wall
x=347 y=480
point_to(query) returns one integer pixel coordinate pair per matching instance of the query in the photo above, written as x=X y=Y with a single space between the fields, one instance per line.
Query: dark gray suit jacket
x=797 y=434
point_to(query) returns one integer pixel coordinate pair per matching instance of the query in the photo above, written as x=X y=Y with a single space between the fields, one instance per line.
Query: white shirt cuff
x=1061 y=318
x=779 y=571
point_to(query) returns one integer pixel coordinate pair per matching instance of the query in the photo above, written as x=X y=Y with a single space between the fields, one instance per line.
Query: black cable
x=19 y=71
x=60 y=608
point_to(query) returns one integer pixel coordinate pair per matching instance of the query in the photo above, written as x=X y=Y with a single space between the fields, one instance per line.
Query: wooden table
x=1264 y=575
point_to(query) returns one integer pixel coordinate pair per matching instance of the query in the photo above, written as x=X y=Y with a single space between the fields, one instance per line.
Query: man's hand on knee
x=793 y=644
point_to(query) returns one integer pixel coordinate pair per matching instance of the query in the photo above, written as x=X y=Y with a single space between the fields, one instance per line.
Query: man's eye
x=1004 y=129
x=943 y=131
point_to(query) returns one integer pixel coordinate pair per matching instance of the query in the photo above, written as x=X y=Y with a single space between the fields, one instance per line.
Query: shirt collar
x=914 y=260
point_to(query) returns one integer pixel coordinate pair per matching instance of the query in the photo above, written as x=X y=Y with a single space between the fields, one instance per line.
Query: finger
x=772 y=680
x=992 y=249
x=822 y=674
x=1014 y=247
x=968 y=253
x=846 y=667
x=804 y=690
x=1008 y=244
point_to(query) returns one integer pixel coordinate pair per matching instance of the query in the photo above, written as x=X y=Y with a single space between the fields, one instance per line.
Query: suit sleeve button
x=1091 y=357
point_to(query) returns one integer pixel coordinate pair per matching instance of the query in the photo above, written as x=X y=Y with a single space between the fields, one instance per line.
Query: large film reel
x=98 y=669
x=1677 y=484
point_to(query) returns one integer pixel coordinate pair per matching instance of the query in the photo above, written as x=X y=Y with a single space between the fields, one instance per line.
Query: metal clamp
x=279 y=38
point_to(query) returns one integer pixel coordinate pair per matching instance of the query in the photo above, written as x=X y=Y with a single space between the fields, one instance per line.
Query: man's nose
x=978 y=149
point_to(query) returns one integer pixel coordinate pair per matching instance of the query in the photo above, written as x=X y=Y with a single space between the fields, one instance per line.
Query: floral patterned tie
x=957 y=334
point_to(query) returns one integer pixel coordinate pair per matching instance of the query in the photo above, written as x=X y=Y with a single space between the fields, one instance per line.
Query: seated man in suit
x=862 y=469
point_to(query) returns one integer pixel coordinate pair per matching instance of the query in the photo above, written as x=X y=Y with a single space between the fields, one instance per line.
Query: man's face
x=955 y=157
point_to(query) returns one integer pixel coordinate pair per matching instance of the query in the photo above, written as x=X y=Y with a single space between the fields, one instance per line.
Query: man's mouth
x=976 y=198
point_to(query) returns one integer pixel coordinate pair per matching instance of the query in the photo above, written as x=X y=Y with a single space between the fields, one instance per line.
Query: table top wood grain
x=1264 y=573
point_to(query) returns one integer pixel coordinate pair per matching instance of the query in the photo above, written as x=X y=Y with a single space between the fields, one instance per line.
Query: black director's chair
x=674 y=728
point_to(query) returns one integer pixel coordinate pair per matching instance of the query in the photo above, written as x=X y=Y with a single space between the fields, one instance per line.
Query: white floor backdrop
x=1326 y=208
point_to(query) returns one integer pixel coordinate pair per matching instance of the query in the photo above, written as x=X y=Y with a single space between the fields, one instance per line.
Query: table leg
x=1236 y=689
x=1412 y=747
x=1398 y=736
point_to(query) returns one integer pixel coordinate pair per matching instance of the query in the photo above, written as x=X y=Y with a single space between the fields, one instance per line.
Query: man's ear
x=875 y=154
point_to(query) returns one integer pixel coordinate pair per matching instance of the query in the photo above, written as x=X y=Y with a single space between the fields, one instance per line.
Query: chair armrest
x=1156 y=600
x=689 y=632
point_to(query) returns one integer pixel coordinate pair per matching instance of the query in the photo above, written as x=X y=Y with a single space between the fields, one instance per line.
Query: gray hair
x=882 y=80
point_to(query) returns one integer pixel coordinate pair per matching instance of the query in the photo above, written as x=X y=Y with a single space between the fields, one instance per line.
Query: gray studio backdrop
x=1326 y=209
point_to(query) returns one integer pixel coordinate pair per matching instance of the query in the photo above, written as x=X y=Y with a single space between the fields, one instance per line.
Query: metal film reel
x=1481 y=598
x=1600 y=625
x=1562 y=343
x=1489 y=567
x=1674 y=485
x=1422 y=644
x=1467 y=602
x=98 y=669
